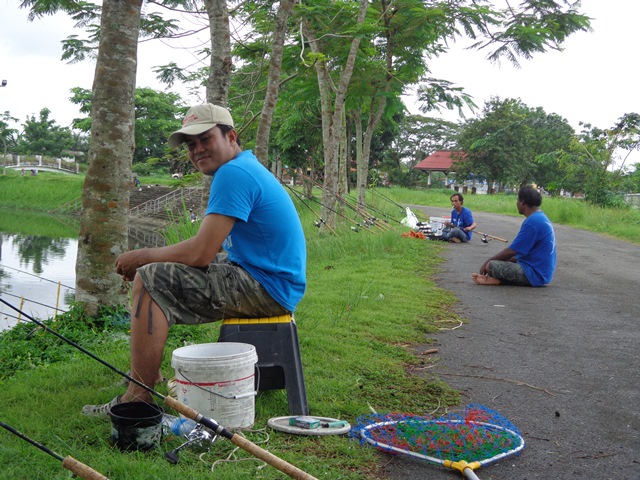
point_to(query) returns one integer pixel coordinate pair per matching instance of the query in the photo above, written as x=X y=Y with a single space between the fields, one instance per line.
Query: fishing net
x=475 y=437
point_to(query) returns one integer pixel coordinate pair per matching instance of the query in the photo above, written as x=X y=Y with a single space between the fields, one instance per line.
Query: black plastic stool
x=278 y=349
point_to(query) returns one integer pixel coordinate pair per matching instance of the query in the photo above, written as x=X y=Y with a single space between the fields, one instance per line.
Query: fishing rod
x=33 y=301
x=359 y=208
x=381 y=212
x=366 y=227
x=387 y=198
x=340 y=214
x=320 y=219
x=68 y=462
x=37 y=276
x=211 y=424
x=340 y=199
x=368 y=218
x=486 y=236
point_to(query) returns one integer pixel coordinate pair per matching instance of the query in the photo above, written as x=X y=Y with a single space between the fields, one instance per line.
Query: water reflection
x=37 y=273
x=38 y=250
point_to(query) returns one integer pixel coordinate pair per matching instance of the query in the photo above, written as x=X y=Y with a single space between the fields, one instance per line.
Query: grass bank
x=47 y=190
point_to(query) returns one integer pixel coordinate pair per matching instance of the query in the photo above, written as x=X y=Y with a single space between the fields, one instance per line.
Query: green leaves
x=505 y=143
x=535 y=26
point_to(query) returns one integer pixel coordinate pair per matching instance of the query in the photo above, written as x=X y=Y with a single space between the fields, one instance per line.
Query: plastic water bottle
x=177 y=425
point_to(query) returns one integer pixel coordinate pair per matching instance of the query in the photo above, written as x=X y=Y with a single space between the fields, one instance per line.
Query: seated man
x=530 y=260
x=251 y=216
x=461 y=225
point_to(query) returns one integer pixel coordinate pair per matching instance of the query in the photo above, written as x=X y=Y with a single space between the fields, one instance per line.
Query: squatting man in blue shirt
x=247 y=260
x=461 y=224
x=530 y=260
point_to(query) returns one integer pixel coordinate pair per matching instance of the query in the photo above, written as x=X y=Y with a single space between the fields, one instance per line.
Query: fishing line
x=8 y=315
x=33 y=301
x=378 y=210
x=68 y=462
x=309 y=207
x=341 y=214
x=387 y=198
x=367 y=217
x=211 y=424
x=37 y=276
x=344 y=216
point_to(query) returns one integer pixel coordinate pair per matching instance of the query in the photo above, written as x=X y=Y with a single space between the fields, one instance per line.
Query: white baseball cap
x=198 y=120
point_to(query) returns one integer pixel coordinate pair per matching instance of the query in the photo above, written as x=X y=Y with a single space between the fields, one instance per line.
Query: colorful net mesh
x=477 y=434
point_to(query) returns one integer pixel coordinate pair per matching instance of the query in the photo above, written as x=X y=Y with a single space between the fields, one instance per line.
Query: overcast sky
x=594 y=80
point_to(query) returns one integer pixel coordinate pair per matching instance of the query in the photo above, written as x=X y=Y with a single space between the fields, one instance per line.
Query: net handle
x=466 y=468
x=470 y=474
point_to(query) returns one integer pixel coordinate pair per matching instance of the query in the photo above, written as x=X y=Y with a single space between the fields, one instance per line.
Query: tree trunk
x=220 y=68
x=332 y=115
x=105 y=193
x=376 y=109
x=343 y=167
x=361 y=167
x=273 y=83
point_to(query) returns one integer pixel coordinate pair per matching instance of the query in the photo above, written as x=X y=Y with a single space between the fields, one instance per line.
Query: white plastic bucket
x=218 y=381
x=437 y=224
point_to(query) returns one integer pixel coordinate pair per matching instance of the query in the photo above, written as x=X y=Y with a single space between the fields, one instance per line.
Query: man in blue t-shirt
x=461 y=224
x=247 y=260
x=530 y=260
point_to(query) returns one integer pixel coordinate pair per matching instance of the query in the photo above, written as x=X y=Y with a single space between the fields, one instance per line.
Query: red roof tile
x=440 y=161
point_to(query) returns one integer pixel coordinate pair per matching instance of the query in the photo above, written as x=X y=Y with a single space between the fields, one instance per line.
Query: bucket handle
x=226 y=397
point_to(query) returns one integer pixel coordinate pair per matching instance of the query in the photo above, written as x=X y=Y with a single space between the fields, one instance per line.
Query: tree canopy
x=510 y=143
x=157 y=115
x=43 y=136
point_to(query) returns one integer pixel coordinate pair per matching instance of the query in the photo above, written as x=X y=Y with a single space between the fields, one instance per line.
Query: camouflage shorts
x=509 y=273
x=189 y=295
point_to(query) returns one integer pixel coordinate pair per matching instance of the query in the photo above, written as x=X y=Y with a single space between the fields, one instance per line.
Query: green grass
x=43 y=192
x=49 y=190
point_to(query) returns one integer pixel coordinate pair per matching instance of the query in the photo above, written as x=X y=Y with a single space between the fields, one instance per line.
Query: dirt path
x=561 y=362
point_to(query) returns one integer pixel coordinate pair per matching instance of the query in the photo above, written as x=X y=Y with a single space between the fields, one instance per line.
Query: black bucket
x=136 y=426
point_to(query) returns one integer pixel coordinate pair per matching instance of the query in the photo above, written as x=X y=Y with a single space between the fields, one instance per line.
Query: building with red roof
x=440 y=161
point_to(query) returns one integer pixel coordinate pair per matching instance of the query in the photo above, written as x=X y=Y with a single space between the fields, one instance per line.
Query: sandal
x=101 y=410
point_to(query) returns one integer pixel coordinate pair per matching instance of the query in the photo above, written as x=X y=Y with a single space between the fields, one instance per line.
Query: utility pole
x=4 y=159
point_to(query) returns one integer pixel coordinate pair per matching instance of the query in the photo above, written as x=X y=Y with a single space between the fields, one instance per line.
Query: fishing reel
x=318 y=223
x=199 y=440
x=485 y=238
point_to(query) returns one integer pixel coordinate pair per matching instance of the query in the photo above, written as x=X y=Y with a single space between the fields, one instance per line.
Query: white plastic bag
x=410 y=220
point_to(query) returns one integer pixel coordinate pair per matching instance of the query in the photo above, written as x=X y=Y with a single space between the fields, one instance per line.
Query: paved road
x=562 y=362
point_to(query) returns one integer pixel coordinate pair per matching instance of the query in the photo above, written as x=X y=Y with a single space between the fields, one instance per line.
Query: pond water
x=37 y=273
